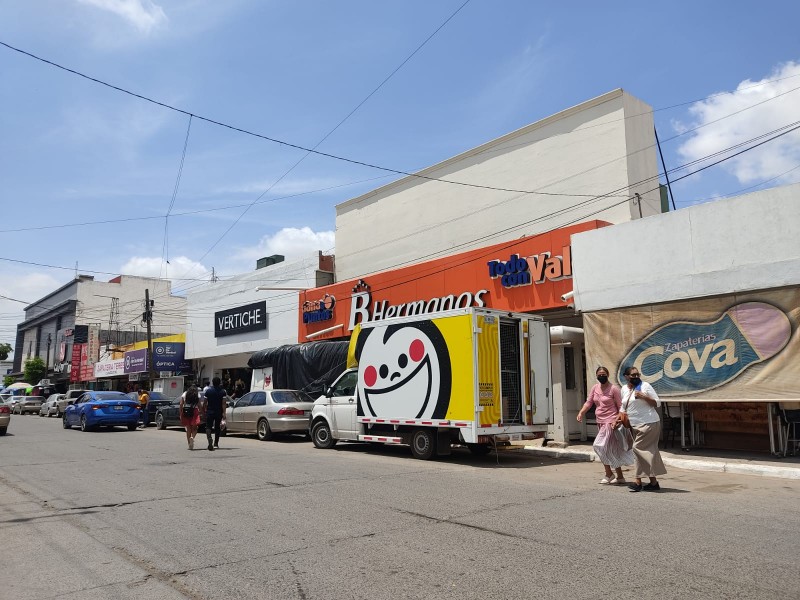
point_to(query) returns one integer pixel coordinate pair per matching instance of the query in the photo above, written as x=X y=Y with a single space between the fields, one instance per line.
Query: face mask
x=602 y=378
x=636 y=381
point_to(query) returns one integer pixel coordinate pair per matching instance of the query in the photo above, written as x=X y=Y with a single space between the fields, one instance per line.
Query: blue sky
x=72 y=151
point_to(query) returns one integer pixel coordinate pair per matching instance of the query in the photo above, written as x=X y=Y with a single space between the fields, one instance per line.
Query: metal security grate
x=510 y=379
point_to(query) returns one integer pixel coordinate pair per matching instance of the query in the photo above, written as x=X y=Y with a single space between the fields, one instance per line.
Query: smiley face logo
x=404 y=372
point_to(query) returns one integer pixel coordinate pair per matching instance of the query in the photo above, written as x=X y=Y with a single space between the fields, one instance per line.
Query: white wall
x=282 y=311
x=749 y=242
x=585 y=150
x=94 y=303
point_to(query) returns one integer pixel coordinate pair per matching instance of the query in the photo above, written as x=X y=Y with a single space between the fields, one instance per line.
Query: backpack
x=187 y=410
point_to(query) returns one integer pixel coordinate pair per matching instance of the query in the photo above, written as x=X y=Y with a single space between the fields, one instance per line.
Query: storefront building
x=529 y=275
x=230 y=319
x=69 y=327
x=491 y=227
x=705 y=301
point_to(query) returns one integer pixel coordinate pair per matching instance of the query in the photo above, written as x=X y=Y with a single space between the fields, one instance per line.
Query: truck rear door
x=539 y=376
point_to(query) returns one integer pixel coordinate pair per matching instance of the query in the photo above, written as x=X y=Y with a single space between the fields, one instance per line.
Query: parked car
x=50 y=406
x=5 y=418
x=157 y=399
x=268 y=412
x=94 y=409
x=28 y=404
x=67 y=399
x=168 y=415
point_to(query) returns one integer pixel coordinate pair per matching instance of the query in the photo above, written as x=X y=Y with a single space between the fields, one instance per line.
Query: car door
x=253 y=411
x=73 y=410
x=343 y=405
x=235 y=414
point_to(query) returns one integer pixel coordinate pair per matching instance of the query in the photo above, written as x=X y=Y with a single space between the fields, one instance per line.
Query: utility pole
x=148 y=318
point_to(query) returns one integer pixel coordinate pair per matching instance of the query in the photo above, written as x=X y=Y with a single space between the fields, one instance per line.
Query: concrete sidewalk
x=721 y=461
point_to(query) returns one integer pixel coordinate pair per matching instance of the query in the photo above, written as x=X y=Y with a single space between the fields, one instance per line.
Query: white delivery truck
x=474 y=377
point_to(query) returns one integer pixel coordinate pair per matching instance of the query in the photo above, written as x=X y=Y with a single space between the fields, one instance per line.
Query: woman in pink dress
x=190 y=415
x=606 y=399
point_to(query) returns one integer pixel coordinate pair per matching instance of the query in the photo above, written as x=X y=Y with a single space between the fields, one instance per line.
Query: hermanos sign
x=364 y=310
x=529 y=274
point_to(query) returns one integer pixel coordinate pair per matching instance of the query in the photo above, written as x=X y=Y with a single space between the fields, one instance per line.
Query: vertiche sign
x=242 y=319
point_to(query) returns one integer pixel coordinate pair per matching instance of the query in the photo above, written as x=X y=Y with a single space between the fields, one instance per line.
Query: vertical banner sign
x=92 y=353
x=75 y=371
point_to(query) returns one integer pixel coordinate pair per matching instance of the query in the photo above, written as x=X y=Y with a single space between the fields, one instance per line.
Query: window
x=283 y=396
x=259 y=399
x=346 y=386
x=244 y=400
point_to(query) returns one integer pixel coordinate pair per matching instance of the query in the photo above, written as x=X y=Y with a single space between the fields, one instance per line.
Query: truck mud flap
x=443 y=443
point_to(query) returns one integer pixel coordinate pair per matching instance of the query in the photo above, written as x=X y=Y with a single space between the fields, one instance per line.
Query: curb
x=715 y=466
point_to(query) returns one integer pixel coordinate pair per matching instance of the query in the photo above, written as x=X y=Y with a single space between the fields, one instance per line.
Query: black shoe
x=216 y=445
x=635 y=487
x=210 y=447
x=652 y=487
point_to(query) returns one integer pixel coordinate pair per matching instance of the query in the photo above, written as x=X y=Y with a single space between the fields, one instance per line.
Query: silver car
x=268 y=412
x=50 y=406
x=5 y=417
x=28 y=404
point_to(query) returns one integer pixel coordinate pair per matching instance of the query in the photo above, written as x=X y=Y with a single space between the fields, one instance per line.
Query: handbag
x=623 y=415
x=624 y=437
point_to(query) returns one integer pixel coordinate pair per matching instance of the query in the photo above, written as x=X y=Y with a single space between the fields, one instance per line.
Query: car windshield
x=110 y=396
x=282 y=396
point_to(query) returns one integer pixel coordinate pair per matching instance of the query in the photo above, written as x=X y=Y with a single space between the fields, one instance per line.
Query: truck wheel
x=263 y=432
x=423 y=444
x=479 y=449
x=321 y=436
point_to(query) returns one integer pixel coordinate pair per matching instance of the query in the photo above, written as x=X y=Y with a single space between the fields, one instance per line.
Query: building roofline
x=426 y=172
x=73 y=281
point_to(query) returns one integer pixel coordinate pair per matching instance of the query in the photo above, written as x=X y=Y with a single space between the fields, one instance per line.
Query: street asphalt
x=119 y=514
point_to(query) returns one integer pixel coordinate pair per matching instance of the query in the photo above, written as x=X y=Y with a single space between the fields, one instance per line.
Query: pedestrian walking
x=215 y=411
x=639 y=405
x=608 y=444
x=190 y=414
x=144 y=398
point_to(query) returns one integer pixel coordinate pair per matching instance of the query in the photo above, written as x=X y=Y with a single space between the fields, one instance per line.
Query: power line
x=279 y=141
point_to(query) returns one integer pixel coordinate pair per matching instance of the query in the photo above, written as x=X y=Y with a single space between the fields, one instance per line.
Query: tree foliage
x=35 y=369
x=8 y=380
x=5 y=350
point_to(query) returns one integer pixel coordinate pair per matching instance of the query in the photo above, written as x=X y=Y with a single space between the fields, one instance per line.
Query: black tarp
x=310 y=367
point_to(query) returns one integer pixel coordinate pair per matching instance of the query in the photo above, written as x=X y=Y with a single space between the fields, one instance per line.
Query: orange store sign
x=524 y=275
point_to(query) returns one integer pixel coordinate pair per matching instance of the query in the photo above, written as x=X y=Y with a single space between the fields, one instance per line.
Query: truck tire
x=321 y=435
x=423 y=443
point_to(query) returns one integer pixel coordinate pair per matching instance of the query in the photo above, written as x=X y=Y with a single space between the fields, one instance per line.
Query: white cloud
x=144 y=15
x=180 y=267
x=771 y=160
x=290 y=242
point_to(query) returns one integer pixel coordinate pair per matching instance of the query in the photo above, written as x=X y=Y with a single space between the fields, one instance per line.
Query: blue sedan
x=94 y=409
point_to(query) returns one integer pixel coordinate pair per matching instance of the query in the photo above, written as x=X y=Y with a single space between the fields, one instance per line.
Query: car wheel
x=132 y=426
x=160 y=421
x=84 y=426
x=423 y=443
x=65 y=423
x=321 y=435
x=263 y=431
